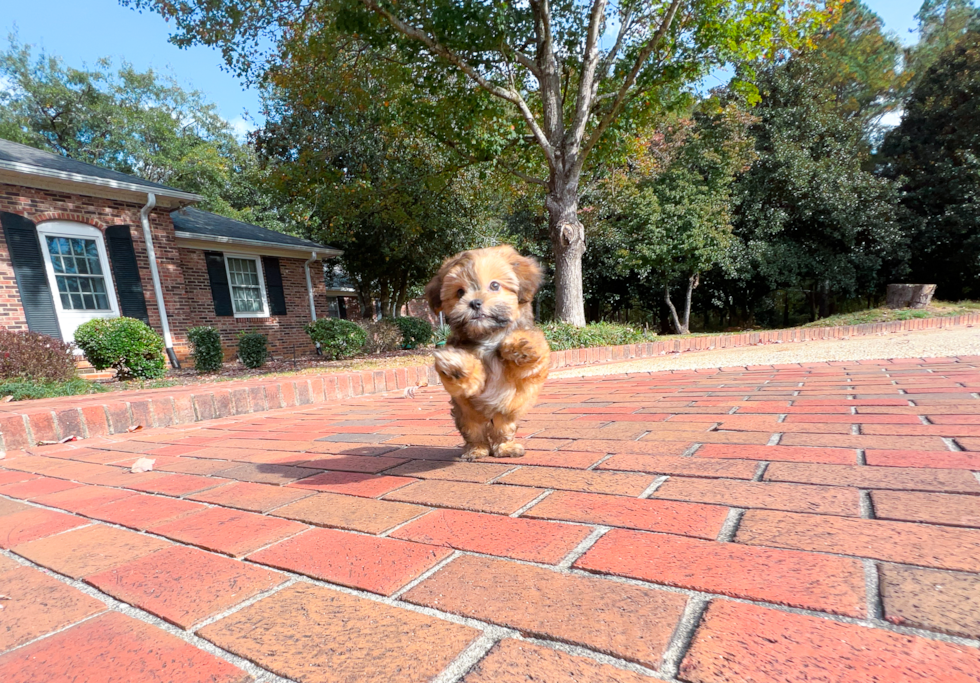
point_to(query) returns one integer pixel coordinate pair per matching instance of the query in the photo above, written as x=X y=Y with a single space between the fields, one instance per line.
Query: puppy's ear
x=433 y=290
x=528 y=275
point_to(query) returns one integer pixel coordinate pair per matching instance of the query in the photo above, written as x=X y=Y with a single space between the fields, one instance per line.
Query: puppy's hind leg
x=500 y=433
x=472 y=425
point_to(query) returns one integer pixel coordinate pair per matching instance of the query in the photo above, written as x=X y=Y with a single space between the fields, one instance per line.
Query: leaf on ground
x=143 y=465
x=134 y=428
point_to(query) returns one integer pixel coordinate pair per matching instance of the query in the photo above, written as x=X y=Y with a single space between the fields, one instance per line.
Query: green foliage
x=207 y=353
x=941 y=25
x=338 y=339
x=125 y=344
x=24 y=390
x=440 y=334
x=808 y=212
x=935 y=154
x=35 y=357
x=253 y=349
x=383 y=336
x=133 y=122
x=416 y=332
x=562 y=336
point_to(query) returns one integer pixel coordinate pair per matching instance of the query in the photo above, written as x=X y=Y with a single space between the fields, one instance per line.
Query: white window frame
x=264 y=313
x=70 y=319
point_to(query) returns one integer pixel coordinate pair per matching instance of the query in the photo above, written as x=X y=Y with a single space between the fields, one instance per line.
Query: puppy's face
x=484 y=291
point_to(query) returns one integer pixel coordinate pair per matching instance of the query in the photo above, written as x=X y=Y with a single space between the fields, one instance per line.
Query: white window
x=247 y=286
x=78 y=272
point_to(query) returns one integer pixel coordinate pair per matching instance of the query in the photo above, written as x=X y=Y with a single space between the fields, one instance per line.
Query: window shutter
x=125 y=270
x=29 y=271
x=220 y=292
x=273 y=285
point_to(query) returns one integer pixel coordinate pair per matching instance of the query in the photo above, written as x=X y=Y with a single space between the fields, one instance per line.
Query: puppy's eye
x=494 y=286
x=460 y=293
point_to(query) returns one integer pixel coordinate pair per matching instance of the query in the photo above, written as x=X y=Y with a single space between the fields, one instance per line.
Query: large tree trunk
x=568 y=243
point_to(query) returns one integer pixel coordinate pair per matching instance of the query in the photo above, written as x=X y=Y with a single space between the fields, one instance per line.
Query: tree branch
x=590 y=60
x=439 y=49
x=641 y=59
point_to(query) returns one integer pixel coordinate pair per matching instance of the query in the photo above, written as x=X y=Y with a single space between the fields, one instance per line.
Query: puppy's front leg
x=526 y=350
x=462 y=373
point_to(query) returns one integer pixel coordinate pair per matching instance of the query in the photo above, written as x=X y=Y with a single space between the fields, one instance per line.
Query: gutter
x=219 y=239
x=309 y=285
x=151 y=201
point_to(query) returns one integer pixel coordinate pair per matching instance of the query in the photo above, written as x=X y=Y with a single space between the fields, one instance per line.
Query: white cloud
x=242 y=126
x=890 y=119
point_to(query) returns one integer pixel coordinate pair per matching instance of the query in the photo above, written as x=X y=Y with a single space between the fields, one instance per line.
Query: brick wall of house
x=419 y=308
x=42 y=205
x=183 y=273
x=285 y=332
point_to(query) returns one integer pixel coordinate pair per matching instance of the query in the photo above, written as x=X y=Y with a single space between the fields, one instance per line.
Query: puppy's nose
x=476 y=304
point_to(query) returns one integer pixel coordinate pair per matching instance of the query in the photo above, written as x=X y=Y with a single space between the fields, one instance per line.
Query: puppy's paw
x=450 y=363
x=474 y=453
x=522 y=348
x=508 y=449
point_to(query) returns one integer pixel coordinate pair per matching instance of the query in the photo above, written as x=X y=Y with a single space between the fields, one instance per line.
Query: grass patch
x=24 y=390
x=937 y=309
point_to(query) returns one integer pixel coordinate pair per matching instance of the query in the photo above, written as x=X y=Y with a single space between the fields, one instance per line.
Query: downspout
x=151 y=201
x=309 y=290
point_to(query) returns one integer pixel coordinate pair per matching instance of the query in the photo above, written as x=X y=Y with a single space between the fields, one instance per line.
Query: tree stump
x=909 y=296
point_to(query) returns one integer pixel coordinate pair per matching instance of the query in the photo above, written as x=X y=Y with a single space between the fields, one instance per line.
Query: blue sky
x=85 y=30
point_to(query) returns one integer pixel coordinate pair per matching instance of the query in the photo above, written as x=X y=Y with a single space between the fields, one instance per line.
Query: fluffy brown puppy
x=495 y=360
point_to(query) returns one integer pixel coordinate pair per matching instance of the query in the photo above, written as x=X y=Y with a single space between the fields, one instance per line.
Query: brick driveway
x=794 y=523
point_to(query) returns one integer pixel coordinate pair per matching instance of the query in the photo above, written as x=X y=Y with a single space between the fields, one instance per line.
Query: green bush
x=35 y=357
x=207 y=353
x=562 y=336
x=253 y=349
x=416 y=332
x=382 y=336
x=126 y=344
x=441 y=334
x=337 y=338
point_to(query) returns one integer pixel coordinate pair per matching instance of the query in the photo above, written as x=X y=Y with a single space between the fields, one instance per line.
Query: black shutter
x=341 y=308
x=218 y=276
x=129 y=287
x=273 y=285
x=32 y=279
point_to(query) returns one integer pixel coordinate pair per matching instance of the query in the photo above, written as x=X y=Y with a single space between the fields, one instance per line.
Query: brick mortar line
x=866 y=504
x=583 y=547
x=593 y=466
x=527 y=506
x=730 y=526
x=875 y=603
x=654 y=485
x=112 y=604
x=760 y=470
x=683 y=635
x=470 y=656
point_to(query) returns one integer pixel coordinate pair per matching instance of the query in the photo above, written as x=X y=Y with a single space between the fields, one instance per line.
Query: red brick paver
x=671 y=525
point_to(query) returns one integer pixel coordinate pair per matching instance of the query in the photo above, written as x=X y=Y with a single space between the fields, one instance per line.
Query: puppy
x=495 y=360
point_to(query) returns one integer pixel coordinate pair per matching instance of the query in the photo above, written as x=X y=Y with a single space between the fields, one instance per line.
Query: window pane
x=65 y=301
x=79 y=280
x=246 y=292
x=76 y=301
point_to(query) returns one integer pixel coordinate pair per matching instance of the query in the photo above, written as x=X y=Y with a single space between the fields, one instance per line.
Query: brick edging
x=22 y=426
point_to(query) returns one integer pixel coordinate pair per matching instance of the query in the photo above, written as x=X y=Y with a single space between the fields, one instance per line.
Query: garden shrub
x=416 y=332
x=253 y=349
x=337 y=338
x=35 y=357
x=126 y=344
x=562 y=336
x=207 y=353
x=382 y=336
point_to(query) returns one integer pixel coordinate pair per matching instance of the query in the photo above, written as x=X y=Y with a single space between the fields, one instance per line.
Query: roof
x=22 y=159
x=191 y=223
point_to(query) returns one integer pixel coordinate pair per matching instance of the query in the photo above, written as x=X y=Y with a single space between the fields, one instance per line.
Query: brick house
x=82 y=242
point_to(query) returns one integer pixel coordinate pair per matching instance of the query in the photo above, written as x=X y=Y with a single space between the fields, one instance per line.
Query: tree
x=129 y=121
x=347 y=167
x=675 y=214
x=941 y=24
x=807 y=211
x=573 y=77
x=935 y=154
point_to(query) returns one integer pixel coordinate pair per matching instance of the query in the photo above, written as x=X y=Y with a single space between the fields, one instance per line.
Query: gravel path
x=962 y=341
